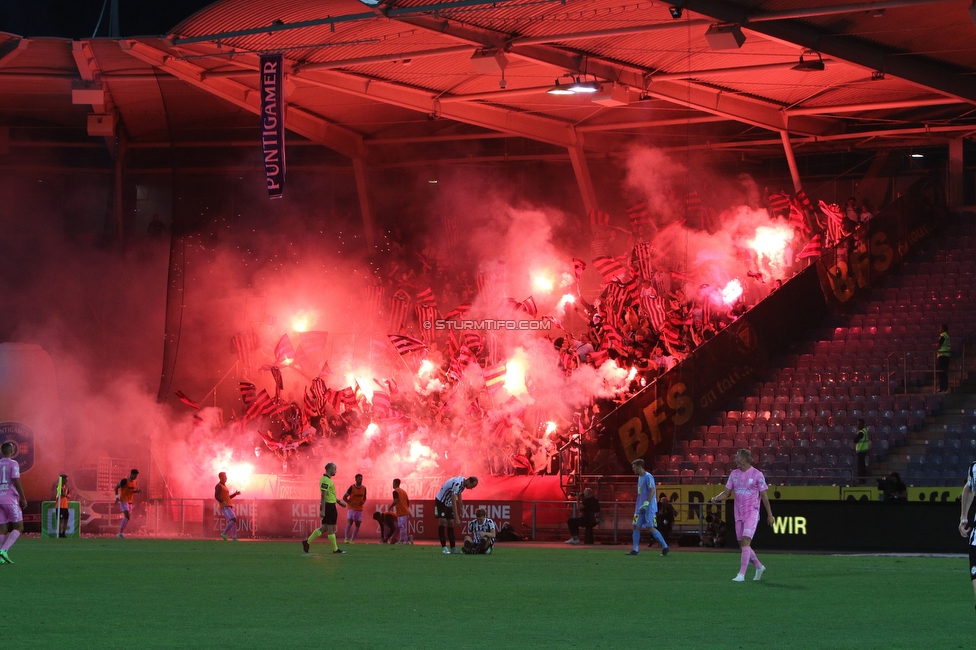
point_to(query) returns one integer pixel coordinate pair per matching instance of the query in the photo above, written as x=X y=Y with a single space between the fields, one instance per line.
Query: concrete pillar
x=791 y=161
x=956 y=173
x=359 y=167
x=582 y=171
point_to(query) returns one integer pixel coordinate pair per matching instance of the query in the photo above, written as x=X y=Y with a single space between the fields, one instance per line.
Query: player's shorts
x=747 y=527
x=10 y=513
x=972 y=562
x=645 y=520
x=442 y=510
x=63 y=513
x=481 y=547
x=403 y=522
x=331 y=515
x=126 y=507
x=227 y=512
x=355 y=515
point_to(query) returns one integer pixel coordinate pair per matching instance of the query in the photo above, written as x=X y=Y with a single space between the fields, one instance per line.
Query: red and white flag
x=246 y=343
x=459 y=312
x=186 y=400
x=284 y=352
x=404 y=344
x=399 y=308
x=599 y=219
x=426 y=297
x=609 y=268
x=814 y=248
x=639 y=216
x=779 y=202
x=495 y=377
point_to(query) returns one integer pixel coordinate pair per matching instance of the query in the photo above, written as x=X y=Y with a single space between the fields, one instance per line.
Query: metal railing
x=547 y=519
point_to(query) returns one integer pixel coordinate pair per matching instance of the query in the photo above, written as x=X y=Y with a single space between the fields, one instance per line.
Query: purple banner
x=273 y=123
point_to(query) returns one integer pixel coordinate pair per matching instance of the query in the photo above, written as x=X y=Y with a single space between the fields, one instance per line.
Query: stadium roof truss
x=428 y=80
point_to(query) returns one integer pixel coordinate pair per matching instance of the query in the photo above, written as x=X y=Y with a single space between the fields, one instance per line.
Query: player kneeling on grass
x=480 y=534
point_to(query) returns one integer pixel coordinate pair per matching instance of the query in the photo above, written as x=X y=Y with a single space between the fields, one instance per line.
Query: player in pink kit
x=749 y=486
x=12 y=501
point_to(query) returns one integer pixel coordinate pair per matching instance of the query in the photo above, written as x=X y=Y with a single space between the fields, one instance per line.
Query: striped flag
x=279 y=382
x=611 y=338
x=473 y=341
x=404 y=344
x=835 y=222
x=459 y=312
x=348 y=396
x=426 y=297
x=529 y=307
x=779 y=202
x=426 y=315
x=639 y=216
x=318 y=390
x=495 y=377
x=666 y=237
x=804 y=201
x=451 y=227
x=813 y=248
x=186 y=400
x=609 y=268
x=246 y=343
x=374 y=298
x=248 y=392
x=381 y=402
x=798 y=219
x=656 y=310
x=311 y=404
x=284 y=351
x=644 y=256
x=599 y=219
x=671 y=336
x=399 y=308
x=263 y=404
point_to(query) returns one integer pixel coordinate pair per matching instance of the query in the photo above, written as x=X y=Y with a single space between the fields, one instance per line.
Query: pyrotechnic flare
x=732 y=291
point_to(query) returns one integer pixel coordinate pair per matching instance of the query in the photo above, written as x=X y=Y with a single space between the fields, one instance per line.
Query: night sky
x=76 y=19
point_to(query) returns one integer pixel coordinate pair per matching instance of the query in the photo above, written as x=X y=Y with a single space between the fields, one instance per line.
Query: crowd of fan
x=643 y=320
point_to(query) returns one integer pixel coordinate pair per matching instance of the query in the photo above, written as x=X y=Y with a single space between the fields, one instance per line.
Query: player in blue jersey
x=646 y=508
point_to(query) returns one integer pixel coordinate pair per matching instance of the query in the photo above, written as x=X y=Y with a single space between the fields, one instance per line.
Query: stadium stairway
x=876 y=363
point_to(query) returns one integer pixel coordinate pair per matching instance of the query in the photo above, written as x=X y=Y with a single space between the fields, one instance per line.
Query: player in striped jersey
x=966 y=528
x=480 y=535
x=447 y=509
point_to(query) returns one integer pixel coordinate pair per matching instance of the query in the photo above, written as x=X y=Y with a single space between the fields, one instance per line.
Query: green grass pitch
x=135 y=593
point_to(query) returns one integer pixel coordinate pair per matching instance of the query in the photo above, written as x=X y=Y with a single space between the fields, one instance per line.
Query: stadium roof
x=428 y=80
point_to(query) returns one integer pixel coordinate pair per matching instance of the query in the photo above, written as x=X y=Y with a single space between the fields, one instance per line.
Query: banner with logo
x=273 y=123
x=296 y=518
x=686 y=395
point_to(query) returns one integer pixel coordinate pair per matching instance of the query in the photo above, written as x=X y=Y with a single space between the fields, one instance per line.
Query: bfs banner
x=273 y=123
